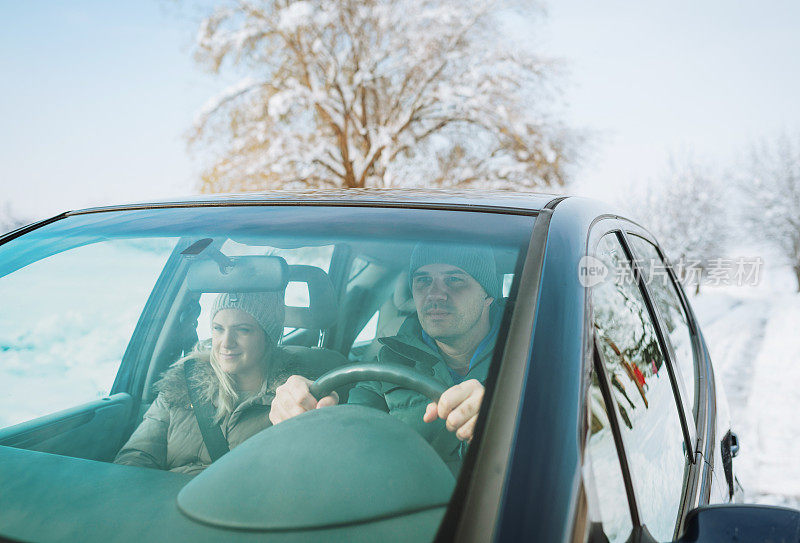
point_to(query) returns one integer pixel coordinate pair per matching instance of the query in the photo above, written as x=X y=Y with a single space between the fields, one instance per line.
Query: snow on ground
x=752 y=335
x=65 y=323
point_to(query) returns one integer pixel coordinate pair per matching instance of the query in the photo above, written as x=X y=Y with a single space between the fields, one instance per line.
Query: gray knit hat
x=477 y=261
x=267 y=308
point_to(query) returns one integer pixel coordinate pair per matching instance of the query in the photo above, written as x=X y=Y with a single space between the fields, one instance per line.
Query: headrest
x=402 y=298
x=269 y=273
x=322 y=310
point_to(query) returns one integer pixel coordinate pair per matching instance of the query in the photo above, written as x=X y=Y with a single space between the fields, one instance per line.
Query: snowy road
x=753 y=339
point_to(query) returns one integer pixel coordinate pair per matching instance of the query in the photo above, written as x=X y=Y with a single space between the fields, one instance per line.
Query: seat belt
x=204 y=412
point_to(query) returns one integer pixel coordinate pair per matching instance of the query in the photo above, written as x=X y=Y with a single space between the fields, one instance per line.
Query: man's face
x=451 y=304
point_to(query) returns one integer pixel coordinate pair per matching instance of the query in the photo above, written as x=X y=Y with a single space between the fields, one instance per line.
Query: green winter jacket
x=408 y=348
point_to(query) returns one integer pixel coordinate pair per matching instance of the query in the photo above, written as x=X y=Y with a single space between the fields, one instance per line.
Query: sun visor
x=238 y=274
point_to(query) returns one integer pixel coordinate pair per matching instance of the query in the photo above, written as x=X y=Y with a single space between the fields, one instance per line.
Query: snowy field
x=65 y=324
x=752 y=334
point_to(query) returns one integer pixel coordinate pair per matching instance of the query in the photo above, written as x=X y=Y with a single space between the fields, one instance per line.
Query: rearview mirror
x=735 y=522
x=238 y=274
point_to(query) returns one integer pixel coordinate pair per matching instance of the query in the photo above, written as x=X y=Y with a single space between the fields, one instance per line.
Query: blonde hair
x=227 y=397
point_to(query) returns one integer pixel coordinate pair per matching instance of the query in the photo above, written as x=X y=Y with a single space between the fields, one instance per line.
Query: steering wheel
x=389 y=373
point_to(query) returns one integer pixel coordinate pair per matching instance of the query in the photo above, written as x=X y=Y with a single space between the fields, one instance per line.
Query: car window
x=66 y=321
x=369 y=332
x=669 y=304
x=608 y=500
x=392 y=303
x=126 y=305
x=641 y=387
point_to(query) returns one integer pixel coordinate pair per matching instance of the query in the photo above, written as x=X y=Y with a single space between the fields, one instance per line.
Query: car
x=602 y=417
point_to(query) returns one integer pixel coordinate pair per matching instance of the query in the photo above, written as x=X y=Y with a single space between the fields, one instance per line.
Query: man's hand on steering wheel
x=294 y=398
x=458 y=406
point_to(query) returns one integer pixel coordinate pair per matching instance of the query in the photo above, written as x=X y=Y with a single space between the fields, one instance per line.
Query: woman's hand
x=458 y=406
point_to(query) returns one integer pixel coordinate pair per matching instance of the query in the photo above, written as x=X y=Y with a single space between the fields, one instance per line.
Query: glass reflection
x=640 y=384
x=669 y=304
x=604 y=470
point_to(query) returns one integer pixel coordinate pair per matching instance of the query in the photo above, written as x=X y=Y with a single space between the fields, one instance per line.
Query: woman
x=237 y=376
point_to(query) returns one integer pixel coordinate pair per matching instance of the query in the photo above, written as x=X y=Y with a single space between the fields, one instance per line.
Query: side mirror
x=739 y=522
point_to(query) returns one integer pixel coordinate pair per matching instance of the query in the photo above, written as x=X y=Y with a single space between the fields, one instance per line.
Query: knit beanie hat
x=477 y=261
x=267 y=308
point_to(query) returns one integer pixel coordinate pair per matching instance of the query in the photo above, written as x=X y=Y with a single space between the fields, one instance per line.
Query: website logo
x=591 y=271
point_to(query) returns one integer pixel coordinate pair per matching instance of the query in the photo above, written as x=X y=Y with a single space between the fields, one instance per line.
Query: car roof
x=477 y=199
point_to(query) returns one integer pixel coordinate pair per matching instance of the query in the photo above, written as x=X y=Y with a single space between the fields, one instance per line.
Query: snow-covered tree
x=685 y=209
x=377 y=93
x=772 y=197
x=9 y=221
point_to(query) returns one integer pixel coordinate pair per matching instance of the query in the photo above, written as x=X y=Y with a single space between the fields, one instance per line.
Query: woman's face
x=238 y=343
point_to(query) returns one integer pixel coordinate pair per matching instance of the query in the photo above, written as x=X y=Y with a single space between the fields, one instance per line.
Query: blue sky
x=95 y=99
x=96 y=96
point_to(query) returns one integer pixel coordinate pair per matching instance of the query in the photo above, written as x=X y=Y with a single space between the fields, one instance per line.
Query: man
x=451 y=337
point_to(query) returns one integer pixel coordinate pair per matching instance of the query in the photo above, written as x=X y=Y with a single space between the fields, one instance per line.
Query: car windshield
x=138 y=338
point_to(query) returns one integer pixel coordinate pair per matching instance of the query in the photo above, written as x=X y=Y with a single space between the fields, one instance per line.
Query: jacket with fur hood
x=169 y=437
